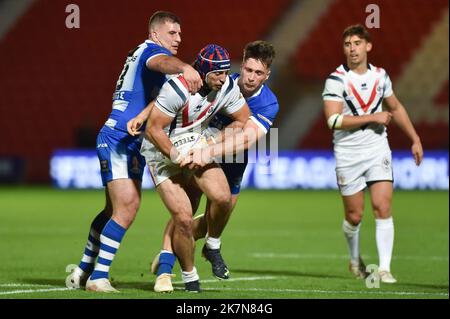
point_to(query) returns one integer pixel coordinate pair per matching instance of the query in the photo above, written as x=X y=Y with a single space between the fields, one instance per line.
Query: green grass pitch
x=278 y=244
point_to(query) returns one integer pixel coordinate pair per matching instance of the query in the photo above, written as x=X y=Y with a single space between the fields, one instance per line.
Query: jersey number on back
x=125 y=69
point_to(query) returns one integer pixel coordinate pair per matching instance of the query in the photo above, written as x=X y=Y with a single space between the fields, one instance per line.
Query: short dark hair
x=260 y=50
x=357 y=29
x=161 y=17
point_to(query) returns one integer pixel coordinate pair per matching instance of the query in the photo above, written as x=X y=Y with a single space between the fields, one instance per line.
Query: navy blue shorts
x=234 y=173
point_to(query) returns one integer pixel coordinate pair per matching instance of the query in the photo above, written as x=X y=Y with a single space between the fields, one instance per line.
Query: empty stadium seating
x=57 y=80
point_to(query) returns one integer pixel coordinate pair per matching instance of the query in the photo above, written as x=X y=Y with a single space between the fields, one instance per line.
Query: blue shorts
x=119 y=155
x=234 y=173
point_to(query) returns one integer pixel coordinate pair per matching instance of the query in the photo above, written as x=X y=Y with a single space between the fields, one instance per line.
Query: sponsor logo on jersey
x=102 y=145
x=184 y=140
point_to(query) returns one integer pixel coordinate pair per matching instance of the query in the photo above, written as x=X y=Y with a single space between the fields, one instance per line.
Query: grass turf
x=278 y=244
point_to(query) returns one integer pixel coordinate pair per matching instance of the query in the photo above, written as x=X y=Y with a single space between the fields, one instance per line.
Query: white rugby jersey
x=192 y=113
x=361 y=94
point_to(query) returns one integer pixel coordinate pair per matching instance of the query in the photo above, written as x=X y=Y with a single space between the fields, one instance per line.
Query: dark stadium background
x=56 y=83
x=56 y=86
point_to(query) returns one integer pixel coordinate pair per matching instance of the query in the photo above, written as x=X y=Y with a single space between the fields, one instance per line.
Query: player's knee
x=353 y=216
x=131 y=204
x=223 y=200
x=382 y=210
x=184 y=225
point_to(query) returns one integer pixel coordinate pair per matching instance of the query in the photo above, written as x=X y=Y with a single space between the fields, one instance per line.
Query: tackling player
x=119 y=153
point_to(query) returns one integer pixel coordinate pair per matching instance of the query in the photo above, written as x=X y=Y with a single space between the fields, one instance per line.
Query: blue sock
x=93 y=243
x=166 y=263
x=110 y=240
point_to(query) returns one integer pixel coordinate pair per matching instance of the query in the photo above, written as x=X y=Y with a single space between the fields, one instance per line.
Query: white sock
x=189 y=276
x=352 y=235
x=212 y=243
x=385 y=242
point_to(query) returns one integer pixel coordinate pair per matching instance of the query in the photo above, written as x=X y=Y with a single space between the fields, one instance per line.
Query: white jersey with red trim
x=192 y=113
x=361 y=94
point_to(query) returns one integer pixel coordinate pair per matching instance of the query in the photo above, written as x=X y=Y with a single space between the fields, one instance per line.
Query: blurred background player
x=119 y=153
x=176 y=119
x=254 y=72
x=353 y=97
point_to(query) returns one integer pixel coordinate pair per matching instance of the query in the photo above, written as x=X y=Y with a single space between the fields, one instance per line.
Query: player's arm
x=240 y=118
x=337 y=121
x=155 y=133
x=167 y=105
x=172 y=65
x=134 y=125
x=240 y=141
x=402 y=119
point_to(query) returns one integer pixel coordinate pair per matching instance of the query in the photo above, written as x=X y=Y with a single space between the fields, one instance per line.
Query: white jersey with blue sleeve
x=137 y=85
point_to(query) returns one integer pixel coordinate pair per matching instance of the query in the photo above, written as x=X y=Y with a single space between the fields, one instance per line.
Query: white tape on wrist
x=335 y=121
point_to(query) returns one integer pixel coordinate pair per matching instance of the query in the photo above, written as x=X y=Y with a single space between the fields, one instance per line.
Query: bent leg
x=125 y=198
x=212 y=181
x=175 y=199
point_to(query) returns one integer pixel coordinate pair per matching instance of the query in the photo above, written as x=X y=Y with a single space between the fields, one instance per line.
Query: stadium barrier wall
x=306 y=169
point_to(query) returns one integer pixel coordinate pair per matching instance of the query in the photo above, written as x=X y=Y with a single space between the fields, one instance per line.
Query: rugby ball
x=186 y=141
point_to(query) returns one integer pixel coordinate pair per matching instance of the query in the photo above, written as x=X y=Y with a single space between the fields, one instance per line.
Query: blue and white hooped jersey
x=263 y=107
x=137 y=85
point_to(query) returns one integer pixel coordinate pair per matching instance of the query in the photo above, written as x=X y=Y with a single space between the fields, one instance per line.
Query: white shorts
x=354 y=170
x=162 y=168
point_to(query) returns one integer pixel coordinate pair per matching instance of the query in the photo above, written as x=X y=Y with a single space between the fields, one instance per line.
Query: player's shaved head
x=161 y=17
x=358 y=30
x=260 y=50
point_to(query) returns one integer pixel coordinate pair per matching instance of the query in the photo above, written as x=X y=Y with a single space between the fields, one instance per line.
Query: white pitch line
x=29 y=291
x=235 y=279
x=329 y=292
x=336 y=256
x=24 y=285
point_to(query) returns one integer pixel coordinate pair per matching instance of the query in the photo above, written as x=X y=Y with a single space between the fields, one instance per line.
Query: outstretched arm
x=172 y=65
x=134 y=125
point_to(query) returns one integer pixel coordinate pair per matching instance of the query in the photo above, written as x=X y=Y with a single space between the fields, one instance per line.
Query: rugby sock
x=189 y=276
x=110 y=240
x=352 y=235
x=166 y=262
x=93 y=243
x=212 y=243
x=385 y=242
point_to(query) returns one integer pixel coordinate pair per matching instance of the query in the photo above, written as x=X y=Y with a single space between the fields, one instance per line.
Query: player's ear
x=267 y=76
x=369 y=46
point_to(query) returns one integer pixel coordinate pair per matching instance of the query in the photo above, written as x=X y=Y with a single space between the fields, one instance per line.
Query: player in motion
x=254 y=72
x=353 y=97
x=178 y=118
x=121 y=163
